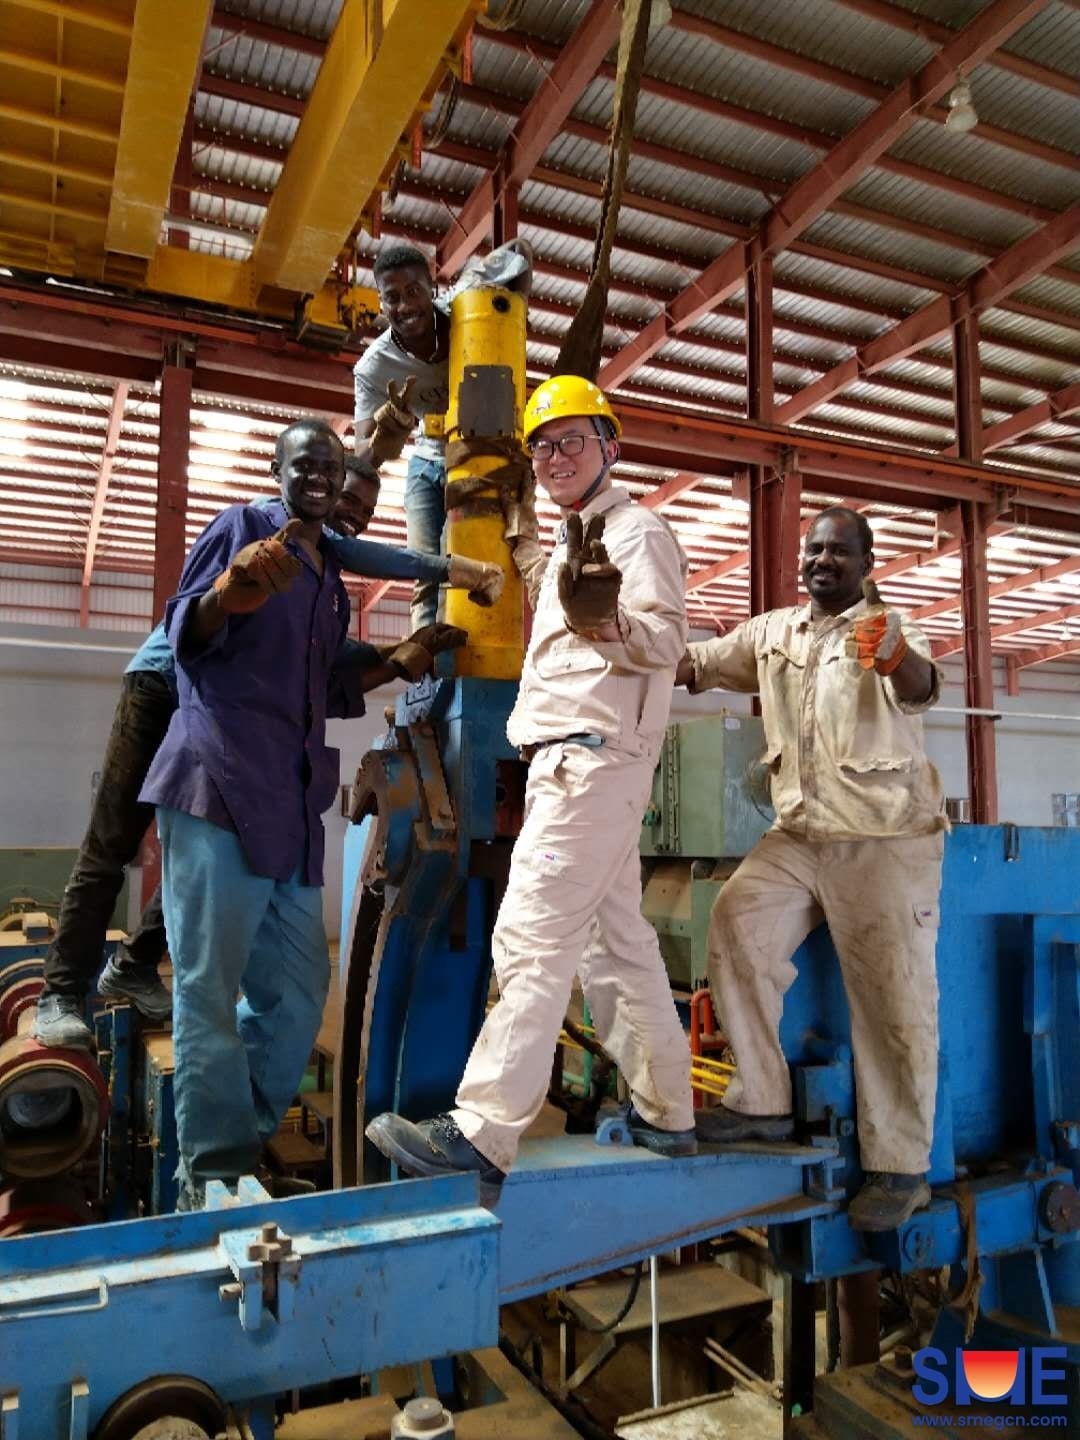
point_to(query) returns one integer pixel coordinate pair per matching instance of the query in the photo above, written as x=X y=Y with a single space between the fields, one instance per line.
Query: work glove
x=415 y=656
x=588 y=581
x=394 y=422
x=519 y=508
x=259 y=570
x=877 y=639
x=483 y=580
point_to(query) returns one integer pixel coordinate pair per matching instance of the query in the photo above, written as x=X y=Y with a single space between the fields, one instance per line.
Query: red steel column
x=505 y=218
x=758 y=305
x=975 y=583
x=775 y=519
x=174 y=443
x=170 y=541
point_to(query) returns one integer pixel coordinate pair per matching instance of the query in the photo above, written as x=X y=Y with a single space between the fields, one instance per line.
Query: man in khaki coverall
x=857 y=841
x=609 y=627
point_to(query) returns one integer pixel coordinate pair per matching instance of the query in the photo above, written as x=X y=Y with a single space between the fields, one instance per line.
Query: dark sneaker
x=433 y=1147
x=142 y=987
x=886 y=1201
x=724 y=1127
x=662 y=1142
x=59 y=1023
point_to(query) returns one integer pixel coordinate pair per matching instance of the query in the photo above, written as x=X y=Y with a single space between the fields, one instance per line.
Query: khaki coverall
x=573 y=901
x=857 y=842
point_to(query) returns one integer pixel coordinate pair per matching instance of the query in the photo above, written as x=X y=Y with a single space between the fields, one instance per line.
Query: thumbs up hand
x=259 y=570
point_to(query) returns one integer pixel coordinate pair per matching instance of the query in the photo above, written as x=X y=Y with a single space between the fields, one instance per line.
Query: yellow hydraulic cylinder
x=483 y=425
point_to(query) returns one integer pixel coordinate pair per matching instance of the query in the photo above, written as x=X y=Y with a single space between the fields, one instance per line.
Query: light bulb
x=962 y=115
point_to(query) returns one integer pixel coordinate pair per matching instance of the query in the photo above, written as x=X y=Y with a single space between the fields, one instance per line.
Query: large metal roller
x=53 y=1106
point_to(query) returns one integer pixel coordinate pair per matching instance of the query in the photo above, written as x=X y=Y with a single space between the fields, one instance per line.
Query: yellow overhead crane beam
x=381 y=67
x=93 y=100
x=163 y=63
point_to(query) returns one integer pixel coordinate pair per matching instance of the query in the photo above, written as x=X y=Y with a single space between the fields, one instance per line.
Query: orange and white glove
x=877 y=638
x=259 y=570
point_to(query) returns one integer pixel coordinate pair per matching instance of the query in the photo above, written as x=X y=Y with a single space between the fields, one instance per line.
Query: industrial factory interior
x=539 y=719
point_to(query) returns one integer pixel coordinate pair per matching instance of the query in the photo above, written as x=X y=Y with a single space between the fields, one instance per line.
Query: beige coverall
x=857 y=842
x=573 y=901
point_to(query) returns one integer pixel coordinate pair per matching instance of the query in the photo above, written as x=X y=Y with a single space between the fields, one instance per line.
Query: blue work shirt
x=246 y=748
x=369 y=558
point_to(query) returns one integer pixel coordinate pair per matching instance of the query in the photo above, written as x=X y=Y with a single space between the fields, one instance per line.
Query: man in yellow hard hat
x=609 y=628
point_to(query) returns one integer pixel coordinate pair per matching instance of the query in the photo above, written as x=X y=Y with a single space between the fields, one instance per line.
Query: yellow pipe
x=80 y=14
x=110 y=135
x=24 y=60
x=487 y=333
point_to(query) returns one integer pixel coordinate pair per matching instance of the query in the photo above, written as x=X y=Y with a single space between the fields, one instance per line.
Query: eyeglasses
x=568 y=445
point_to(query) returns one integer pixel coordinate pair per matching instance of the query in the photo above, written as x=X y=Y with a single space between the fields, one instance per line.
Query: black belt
x=581 y=737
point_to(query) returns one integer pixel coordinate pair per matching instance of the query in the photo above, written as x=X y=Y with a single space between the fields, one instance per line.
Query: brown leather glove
x=483 y=580
x=519 y=505
x=259 y=570
x=394 y=422
x=588 y=582
x=415 y=656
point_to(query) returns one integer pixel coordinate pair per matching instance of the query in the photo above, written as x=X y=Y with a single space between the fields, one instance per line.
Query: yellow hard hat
x=566 y=395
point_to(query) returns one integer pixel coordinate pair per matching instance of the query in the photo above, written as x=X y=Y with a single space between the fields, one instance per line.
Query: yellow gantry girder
x=380 y=68
x=165 y=56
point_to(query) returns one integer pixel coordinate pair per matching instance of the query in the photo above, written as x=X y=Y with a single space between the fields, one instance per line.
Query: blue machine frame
x=358 y=1279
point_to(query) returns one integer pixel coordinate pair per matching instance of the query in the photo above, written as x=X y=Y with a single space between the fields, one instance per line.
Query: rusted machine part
x=31 y=1207
x=858 y=1302
x=165 y=1398
x=53 y=1106
x=20 y=985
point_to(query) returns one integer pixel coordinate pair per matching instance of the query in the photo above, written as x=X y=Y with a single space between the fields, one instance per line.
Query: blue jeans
x=425 y=517
x=238 y=1065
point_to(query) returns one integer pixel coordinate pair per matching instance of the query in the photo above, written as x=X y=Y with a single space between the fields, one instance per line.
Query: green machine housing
x=710 y=804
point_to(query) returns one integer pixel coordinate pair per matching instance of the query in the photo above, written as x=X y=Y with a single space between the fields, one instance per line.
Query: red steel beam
x=941 y=648
x=930 y=29
x=818 y=140
x=540 y=122
x=1055 y=407
x=107 y=337
x=889 y=14
x=670 y=490
x=1013 y=268
x=810 y=196
x=241 y=25
x=846 y=80
x=1023 y=581
x=1060 y=651
x=101 y=491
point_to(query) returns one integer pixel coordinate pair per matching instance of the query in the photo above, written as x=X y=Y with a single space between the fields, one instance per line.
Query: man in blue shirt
x=118 y=820
x=240 y=783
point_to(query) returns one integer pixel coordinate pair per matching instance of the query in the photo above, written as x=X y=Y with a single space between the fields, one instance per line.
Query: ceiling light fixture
x=962 y=115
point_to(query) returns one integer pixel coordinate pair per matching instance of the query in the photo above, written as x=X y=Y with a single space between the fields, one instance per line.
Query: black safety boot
x=142 y=987
x=886 y=1201
x=722 y=1126
x=434 y=1147
x=662 y=1142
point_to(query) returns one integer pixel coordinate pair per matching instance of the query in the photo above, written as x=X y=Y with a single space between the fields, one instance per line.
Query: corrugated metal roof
x=671 y=228
x=983 y=162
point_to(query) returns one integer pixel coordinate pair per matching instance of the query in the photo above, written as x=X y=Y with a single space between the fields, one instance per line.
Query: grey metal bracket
x=267 y=1270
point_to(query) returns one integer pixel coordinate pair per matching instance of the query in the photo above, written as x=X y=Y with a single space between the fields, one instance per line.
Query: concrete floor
x=738 y=1416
